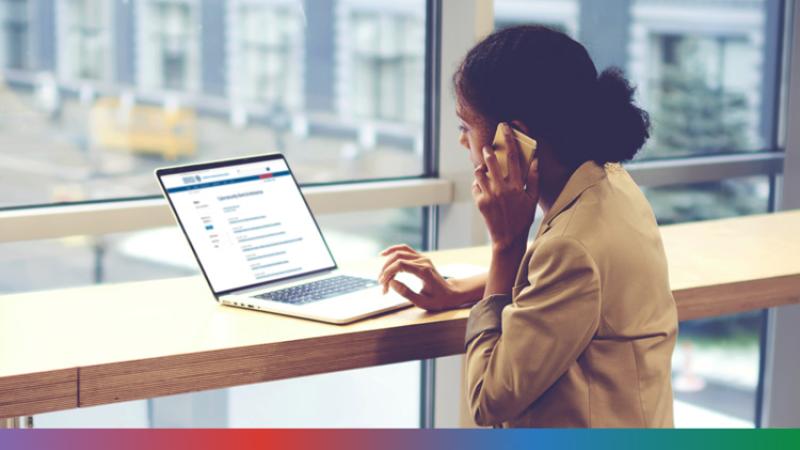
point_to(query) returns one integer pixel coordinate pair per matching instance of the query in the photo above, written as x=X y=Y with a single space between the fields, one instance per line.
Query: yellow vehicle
x=143 y=129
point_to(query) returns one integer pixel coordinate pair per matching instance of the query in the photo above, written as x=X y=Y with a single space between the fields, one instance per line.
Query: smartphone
x=527 y=147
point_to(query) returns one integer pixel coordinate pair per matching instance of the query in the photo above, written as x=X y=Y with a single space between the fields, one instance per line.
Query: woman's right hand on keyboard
x=437 y=293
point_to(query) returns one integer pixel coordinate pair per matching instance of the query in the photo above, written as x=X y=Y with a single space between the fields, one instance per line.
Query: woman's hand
x=508 y=205
x=437 y=293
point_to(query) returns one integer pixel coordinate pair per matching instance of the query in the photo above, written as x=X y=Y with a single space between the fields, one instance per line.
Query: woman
x=578 y=328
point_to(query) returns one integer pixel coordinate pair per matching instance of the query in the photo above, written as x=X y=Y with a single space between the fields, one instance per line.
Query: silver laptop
x=258 y=245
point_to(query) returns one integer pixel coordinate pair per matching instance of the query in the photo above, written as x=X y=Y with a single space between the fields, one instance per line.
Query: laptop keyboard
x=319 y=290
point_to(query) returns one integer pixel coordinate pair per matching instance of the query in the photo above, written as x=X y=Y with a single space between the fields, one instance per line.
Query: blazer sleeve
x=516 y=350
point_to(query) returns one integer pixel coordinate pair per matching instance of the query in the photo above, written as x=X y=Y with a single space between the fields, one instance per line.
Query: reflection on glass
x=702 y=80
x=355 y=398
x=338 y=86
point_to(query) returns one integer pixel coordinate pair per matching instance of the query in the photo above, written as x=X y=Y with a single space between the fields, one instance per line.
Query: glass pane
x=125 y=87
x=708 y=84
x=716 y=371
x=386 y=396
x=716 y=361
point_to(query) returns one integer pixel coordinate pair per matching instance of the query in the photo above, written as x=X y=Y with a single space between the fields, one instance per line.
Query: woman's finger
x=513 y=157
x=476 y=188
x=396 y=256
x=495 y=174
x=390 y=272
x=476 y=191
x=406 y=292
x=481 y=179
x=422 y=271
x=398 y=247
x=532 y=182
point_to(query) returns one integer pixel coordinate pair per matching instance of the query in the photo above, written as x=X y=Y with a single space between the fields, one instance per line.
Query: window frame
x=104 y=216
x=429 y=189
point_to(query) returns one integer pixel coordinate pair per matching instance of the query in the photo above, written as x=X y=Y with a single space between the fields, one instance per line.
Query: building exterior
x=316 y=65
x=356 y=67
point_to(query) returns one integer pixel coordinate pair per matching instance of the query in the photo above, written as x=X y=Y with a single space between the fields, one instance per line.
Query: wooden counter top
x=109 y=343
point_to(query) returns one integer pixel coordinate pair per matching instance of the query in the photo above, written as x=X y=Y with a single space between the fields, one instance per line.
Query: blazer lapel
x=585 y=176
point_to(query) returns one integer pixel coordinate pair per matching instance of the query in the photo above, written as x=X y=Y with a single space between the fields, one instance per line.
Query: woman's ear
x=520 y=126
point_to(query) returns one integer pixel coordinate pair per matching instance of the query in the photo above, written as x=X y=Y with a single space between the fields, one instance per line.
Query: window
x=716 y=361
x=700 y=67
x=705 y=82
x=121 y=88
x=95 y=94
x=716 y=371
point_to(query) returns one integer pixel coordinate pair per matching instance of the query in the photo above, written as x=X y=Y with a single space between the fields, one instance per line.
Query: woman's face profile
x=475 y=132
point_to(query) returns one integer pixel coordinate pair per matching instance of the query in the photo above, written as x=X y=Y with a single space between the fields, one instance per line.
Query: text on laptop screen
x=248 y=224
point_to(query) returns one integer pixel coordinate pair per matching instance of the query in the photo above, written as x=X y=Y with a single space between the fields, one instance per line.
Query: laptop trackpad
x=358 y=303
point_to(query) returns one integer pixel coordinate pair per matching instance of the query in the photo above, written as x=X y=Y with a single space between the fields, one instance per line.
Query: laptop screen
x=247 y=222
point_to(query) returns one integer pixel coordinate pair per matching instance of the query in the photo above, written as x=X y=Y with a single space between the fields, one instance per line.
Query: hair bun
x=621 y=125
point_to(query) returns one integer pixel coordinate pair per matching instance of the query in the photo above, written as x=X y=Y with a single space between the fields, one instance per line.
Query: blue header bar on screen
x=246 y=179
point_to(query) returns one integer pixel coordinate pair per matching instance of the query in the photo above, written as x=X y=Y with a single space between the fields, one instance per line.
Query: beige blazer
x=586 y=337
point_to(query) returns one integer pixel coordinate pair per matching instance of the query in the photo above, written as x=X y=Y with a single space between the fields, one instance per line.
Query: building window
x=386 y=49
x=169 y=43
x=84 y=40
x=14 y=46
x=266 y=57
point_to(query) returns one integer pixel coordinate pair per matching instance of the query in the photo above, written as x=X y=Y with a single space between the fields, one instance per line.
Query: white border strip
x=780 y=403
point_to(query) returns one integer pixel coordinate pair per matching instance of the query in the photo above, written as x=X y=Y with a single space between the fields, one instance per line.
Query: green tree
x=693 y=115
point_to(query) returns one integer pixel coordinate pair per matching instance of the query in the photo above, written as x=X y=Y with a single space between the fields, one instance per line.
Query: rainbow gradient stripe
x=330 y=439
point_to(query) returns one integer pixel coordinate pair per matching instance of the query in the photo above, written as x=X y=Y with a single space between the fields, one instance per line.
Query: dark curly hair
x=548 y=81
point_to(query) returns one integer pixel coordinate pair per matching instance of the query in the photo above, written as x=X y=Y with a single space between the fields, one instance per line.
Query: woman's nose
x=462 y=139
